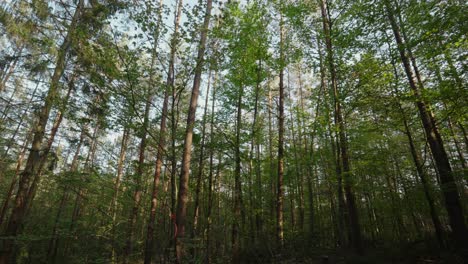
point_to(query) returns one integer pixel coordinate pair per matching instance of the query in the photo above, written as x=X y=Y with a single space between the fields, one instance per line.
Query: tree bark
x=181 y=213
x=419 y=164
x=355 y=228
x=201 y=162
x=161 y=148
x=447 y=182
x=118 y=180
x=138 y=181
x=34 y=158
x=270 y=155
x=280 y=188
x=19 y=163
x=237 y=182
x=210 y=179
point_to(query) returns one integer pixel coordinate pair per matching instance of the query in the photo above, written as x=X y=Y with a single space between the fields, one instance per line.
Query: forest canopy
x=224 y=131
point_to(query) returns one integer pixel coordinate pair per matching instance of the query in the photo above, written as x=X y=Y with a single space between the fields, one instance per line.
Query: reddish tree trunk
x=161 y=148
x=181 y=213
x=34 y=159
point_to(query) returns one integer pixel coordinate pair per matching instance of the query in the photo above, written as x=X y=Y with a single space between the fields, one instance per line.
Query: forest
x=233 y=131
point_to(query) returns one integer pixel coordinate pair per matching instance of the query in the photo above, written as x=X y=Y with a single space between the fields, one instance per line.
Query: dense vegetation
x=256 y=131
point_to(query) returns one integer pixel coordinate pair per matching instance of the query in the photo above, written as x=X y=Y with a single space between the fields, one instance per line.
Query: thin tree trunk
x=138 y=182
x=254 y=147
x=88 y=165
x=457 y=146
x=355 y=229
x=19 y=164
x=4 y=76
x=292 y=205
x=465 y=135
x=118 y=180
x=200 y=162
x=335 y=146
x=448 y=185
x=210 y=179
x=7 y=107
x=161 y=148
x=237 y=182
x=181 y=214
x=419 y=164
x=280 y=190
x=270 y=154
x=53 y=243
x=396 y=215
x=311 y=165
x=50 y=141
x=299 y=179
x=34 y=158
x=174 y=125
x=449 y=121
x=28 y=109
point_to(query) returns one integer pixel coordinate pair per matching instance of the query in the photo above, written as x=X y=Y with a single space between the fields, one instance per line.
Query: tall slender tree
x=32 y=163
x=181 y=213
x=161 y=148
x=342 y=150
x=448 y=184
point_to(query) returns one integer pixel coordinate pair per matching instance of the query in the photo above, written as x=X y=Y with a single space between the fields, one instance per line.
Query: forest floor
x=377 y=256
x=338 y=259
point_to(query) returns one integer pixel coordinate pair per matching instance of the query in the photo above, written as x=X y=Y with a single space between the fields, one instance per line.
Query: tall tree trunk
x=174 y=124
x=309 y=159
x=419 y=164
x=334 y=143
x=53 y=243
x=237 y=182
x=355 y=228
x=296 y=143
x=80 y=193
x=461 y=157
x=201 y=162
x=50 y=141
x=139 y=177
x=397 y=221
x=20 y=123
x=448 y=185
x=161 y=148
x=280 y=188
x=118 y=180
x=34 y=158
x=270 y=154
x=256 y=158
x=210 y=179
x=181 y=213
x=138 y=181
x=19 y=164
x=449 y=120
x=175 y=115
